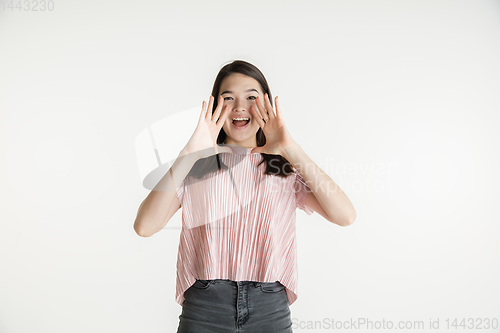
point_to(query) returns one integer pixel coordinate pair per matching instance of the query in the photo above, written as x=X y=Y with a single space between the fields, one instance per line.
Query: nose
x=239 y=105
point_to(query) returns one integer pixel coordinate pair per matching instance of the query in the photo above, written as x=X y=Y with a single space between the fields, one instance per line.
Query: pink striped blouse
x=239 y=224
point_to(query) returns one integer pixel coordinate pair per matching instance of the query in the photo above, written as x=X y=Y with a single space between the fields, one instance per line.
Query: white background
x=396 y=100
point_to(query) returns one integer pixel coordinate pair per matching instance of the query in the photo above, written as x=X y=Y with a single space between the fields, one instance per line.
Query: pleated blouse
x=239 y=224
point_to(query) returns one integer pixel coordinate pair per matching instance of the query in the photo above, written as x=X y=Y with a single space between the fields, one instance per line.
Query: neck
x=246 y=144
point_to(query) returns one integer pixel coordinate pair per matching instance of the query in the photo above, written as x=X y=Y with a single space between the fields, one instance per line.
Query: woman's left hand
x=277 y=137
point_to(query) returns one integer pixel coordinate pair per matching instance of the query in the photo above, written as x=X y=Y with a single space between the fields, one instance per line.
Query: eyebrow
x=248 y=90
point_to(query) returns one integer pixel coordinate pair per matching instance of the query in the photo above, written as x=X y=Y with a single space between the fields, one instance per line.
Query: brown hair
x=213 y=163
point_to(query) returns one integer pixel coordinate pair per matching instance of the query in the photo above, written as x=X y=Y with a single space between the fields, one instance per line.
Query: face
x=239 y=92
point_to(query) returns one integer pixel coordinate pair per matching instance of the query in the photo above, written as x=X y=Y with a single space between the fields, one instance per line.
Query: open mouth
x=240 y=123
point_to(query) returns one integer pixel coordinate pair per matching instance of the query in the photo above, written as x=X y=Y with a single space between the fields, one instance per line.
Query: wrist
x=289 y=148
x=184 y=153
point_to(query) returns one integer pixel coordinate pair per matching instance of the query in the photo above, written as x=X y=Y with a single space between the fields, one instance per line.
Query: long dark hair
x=213 y=163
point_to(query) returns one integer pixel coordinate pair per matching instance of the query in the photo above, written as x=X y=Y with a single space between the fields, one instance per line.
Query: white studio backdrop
x=396 y=100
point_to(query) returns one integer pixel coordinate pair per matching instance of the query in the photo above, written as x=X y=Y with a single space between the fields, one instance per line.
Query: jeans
x=225 y=306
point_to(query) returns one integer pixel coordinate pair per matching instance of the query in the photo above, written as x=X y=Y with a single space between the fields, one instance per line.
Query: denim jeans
x=225 y=306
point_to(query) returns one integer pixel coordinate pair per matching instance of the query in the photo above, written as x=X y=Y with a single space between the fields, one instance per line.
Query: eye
x=252 y=97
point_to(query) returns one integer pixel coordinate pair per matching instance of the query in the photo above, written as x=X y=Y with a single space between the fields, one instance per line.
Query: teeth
x=241 y=119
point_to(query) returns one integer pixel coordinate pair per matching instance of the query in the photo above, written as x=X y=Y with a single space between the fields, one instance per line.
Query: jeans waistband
x=234 y=283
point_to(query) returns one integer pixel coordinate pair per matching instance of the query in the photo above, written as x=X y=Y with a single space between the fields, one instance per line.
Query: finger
x=269 y=107
x=208 y=114
x=259 y=109
x=223 y=117
x=220 y=105
x=278 y=107
x=262 y=108
x=211 y=104
x=202 y=114
x=266 y=107
x=257 y=117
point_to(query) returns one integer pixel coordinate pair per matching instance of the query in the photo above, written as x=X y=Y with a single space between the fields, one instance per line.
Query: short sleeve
x=180 y=191
x=301 y=191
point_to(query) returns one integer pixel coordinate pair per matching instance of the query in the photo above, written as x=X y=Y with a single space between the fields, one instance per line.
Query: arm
x=162 y=203
x=327 y=198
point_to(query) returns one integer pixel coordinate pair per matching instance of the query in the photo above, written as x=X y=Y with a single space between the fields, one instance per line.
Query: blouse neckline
x=242 y=151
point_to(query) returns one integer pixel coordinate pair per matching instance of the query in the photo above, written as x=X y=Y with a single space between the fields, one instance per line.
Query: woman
x=239 y=179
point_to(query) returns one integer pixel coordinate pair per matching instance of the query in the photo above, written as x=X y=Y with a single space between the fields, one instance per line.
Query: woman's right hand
x=203 y=142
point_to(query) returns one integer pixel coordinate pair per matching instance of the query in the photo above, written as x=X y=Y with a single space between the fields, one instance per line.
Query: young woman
x=240 y=179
